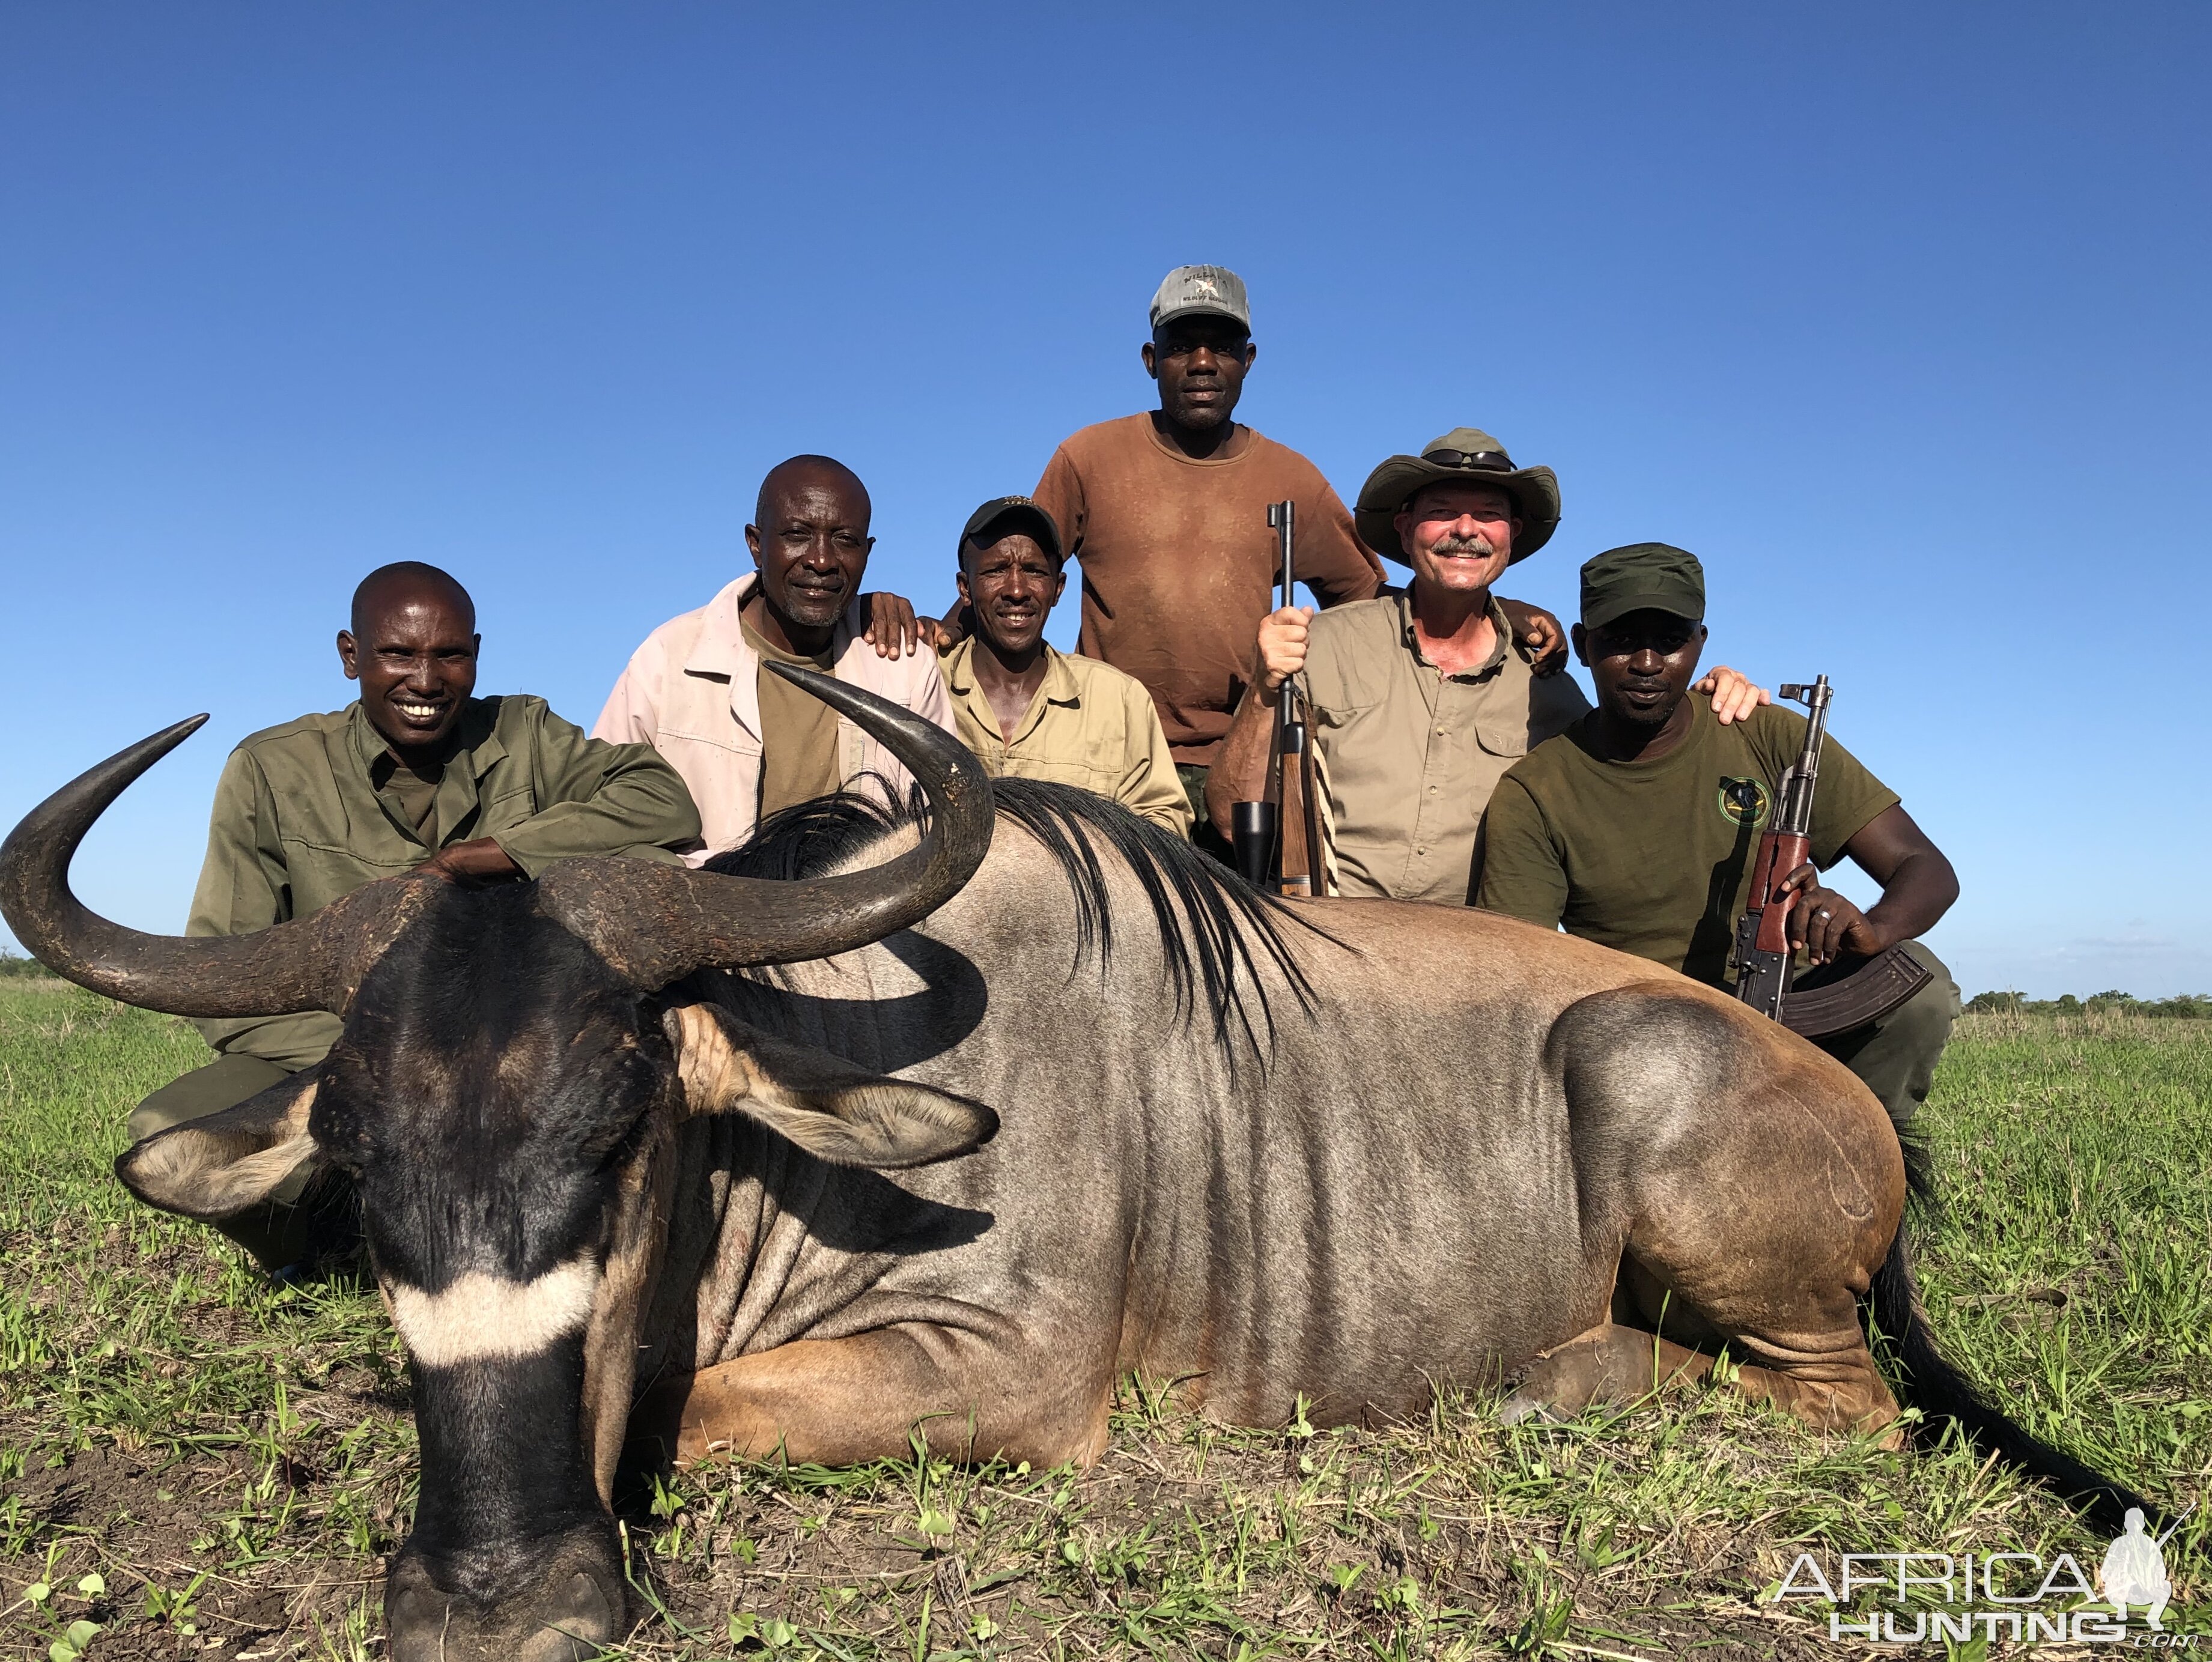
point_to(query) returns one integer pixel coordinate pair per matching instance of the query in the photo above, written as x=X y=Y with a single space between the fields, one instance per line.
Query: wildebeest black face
x=512 y=1066
x=495 y=1081
x=498 y=1097
x=494 y=1084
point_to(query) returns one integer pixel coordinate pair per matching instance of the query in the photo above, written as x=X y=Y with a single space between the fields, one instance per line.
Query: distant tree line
x=2187 y=1007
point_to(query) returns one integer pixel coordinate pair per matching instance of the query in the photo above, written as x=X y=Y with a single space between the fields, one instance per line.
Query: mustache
x=1477 y=544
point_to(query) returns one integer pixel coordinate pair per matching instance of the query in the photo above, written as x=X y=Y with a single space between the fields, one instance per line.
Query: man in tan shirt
x=1030 y=712
x=749 y=743
x=1167 y=512
x=1419 y=701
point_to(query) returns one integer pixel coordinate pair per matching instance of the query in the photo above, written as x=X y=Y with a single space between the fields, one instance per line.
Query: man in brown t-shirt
x=1167 y=512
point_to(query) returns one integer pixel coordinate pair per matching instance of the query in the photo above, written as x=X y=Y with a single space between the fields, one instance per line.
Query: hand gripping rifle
x=1764 y=955
x=1279 y=831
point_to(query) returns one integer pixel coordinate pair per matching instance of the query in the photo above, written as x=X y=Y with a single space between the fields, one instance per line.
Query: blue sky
x=1894 y=315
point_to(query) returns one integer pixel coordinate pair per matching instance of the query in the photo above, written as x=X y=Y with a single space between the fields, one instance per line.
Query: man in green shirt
x=417 y=775
x=1639 y=826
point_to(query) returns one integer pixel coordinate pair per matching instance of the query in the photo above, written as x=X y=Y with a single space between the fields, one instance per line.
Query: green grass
x=230 y=1461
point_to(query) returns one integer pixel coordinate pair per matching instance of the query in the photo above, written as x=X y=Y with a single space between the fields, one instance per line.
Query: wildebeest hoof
x=1607 y=1364
x=1522 y=1405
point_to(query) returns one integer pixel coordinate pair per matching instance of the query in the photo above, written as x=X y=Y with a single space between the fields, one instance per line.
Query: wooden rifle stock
x=1764 y=955
x=1780 y=853
x=1276 y=838
x=1293 y=797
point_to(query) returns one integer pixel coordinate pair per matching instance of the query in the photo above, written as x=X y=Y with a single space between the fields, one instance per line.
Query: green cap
x=1654 y=575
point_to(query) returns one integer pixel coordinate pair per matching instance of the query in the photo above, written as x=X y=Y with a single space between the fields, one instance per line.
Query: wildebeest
x=619 y=1138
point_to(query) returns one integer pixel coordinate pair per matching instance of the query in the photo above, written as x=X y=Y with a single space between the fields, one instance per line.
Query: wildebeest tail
x=1929 y=1382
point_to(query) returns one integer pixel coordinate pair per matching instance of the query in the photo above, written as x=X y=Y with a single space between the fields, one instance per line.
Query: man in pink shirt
x=747 y=741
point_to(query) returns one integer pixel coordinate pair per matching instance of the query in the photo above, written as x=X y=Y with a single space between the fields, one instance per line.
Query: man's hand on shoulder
x=481 y=859
x=1538 y=633
x=1733 y=696
x=893 y=628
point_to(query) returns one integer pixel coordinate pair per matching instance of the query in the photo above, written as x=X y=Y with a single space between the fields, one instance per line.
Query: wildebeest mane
x=1214 y=928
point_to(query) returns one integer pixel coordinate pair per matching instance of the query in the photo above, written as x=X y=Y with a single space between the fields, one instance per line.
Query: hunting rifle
x=1276 y=836
x=1764 y=955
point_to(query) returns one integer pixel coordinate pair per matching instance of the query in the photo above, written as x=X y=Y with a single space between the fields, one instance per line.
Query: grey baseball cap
x=1201 y=290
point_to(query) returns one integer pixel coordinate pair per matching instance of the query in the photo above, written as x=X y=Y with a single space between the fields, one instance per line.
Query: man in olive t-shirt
x=1638 y=828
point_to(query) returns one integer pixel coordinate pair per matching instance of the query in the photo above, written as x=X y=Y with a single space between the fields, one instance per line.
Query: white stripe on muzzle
x=483 y=1318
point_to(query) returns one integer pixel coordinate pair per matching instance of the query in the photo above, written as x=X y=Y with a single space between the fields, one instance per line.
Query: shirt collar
x=1500 y=629
x=476 y=743
x=1060 y=686
x=720 y=649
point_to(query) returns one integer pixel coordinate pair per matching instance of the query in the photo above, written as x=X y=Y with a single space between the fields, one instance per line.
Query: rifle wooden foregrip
x=1780 y=853
x=1297 y=869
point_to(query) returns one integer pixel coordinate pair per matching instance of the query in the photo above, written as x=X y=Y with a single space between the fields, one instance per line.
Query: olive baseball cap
x=1201 y=290
x=1641 y=576
x=1465 y=456
x=1002 y=516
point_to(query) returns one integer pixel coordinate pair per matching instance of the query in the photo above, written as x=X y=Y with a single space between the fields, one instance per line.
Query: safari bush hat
x=1465 y=456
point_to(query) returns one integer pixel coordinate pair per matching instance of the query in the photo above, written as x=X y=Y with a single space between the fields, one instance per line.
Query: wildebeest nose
x=574 y=1617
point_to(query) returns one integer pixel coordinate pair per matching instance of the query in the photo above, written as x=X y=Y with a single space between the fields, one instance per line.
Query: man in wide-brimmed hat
x=1167 y=512
x=1420 y=700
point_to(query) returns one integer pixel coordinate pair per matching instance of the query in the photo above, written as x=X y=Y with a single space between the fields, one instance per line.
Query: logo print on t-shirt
x=1745 y=801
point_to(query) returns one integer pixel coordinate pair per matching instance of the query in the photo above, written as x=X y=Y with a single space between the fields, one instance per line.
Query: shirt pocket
x=1503 y=734
x=1345 y=702
x=735 y=742
x=506 y=808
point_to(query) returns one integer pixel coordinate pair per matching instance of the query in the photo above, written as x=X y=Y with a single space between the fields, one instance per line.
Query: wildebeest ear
x=223 y=1164
x=829 y=1108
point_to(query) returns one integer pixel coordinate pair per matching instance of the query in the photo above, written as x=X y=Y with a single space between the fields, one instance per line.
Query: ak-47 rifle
x=1279 y=831
x=1764 y=955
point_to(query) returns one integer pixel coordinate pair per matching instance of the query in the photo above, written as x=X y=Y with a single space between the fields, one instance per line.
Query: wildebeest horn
x=657 y=924
x=309 y=964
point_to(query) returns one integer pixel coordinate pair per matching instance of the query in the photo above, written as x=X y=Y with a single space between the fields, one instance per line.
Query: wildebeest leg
x=1777 y=1277
x=1608 y=1364
x=1760 y=1186
x=840 y=1401
x=1618 y=1365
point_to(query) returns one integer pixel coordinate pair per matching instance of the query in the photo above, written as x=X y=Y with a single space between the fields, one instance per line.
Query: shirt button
x=1432 y=790
x=1442 y=734
x=1420 y=851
